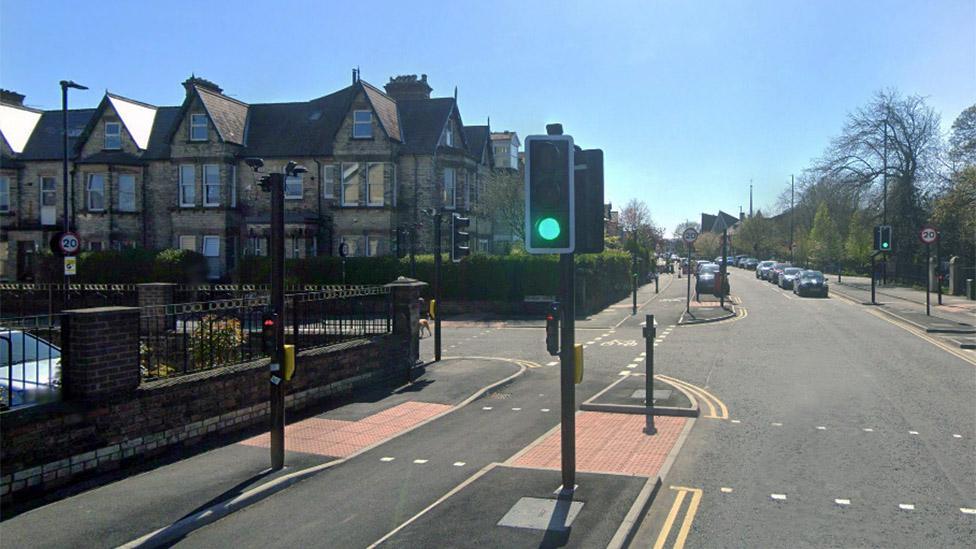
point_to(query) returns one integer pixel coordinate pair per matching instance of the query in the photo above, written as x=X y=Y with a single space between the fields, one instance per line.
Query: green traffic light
x=549 y=228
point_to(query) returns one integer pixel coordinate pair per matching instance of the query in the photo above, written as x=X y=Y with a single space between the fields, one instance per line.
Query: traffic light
x=268 y=332
x=588 y=183
x=882 y=238
x=460 y=239
x=552 y=330
x=550 y=202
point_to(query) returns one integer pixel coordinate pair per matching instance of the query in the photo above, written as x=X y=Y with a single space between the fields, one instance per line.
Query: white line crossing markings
x=420 y=461
x=968 y=511
x=672 y=326
x=956 y=436
x=631 y=366
x=486 y=407
x=544 y=410
x=623 y=373
x=913 y=432
x=643 y=354
x=736 y=421
x=725 y=490
x=778 y=497
x=841 y=501
x=387 y=458
x=777 y=424
x=868 y=430
x=516 y=409
x=821 y=428
x=906 y=506
x=459 y=464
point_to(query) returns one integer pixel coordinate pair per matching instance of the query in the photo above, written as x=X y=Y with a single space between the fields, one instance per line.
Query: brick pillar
x=102 y=352
x=153 y=299
x=406 y=315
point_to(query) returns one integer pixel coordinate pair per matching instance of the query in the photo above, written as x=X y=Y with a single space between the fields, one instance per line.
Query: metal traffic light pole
x=277 y=187
x=437 y=286
x=567 y=367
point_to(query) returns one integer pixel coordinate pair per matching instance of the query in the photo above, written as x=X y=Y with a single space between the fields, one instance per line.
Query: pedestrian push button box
x=289 y=362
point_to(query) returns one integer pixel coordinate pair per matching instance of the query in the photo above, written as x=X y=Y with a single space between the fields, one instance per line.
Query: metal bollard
x=650 y=333
x=656 y=277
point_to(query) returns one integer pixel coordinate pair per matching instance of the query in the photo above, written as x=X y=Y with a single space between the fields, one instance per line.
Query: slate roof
x=476 y=137
x=423 y=122
x=120 y=158
x=45 y=141
x=167 y=118
x=386 y=110
x=297 y=129
x=228 y=115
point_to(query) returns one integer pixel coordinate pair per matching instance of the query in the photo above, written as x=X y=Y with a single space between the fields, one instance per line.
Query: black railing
x=190 y=337
x=30 y=360
x=20 y=299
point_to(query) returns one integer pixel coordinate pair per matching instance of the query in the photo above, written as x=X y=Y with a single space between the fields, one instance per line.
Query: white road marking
x=486 y=407
x=725 y=490
x=655 y=344
x=598 y=338
x=842 y=501
x=671 y=325
x=777 y=424
x=544 y=410
x=459 y=464
x=589 y=343
x=553 y=363
x=638 y=359
x=624 y=373
x=387 y=458
x=821 y=428
x=956 y=436
x=736 y=421
x=913 y=432
x=643 y=354
x=968 y=511
x=868 y=430
x=420 y=461
x=906 y=506
x=631 y=366
x=516 y=409
x=778 y=497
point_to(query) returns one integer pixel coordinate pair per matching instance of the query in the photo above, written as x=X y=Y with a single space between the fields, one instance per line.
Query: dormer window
x=113 y=136
x=198 y=127
x=448 y=138
x=362 y=124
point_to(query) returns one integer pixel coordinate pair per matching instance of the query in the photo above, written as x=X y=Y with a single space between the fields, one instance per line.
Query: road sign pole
x=928 y=281
x=650 y=333
x=277 y=385
x=567 y=371
x=938 y=265
x=437 y=286
x=873 y=280
x=688 y=297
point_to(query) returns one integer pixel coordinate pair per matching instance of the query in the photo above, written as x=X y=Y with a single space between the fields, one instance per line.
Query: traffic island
x=627 y=395
x=701 y=312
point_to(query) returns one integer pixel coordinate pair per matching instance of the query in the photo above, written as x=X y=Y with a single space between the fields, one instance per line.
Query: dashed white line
x=868 y=430
x=387 y=458
x=486 y=407
x=736 y=421
x=459 y=464
x=589 y=343
x=777 y=424
x=631 y=366
x=956 y=436
x=778 y=497
x=544 y=410
x=913 y=432
x=821 y=428
x=906 y=506
x=420 y=461
x=516 y=409
x=841 y=501
x=725 y=490
x=968 y=511
x=643 y=354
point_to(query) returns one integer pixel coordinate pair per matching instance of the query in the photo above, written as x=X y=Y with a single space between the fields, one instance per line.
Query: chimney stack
x=11 y=97
x=407 y=86
x=194 y=80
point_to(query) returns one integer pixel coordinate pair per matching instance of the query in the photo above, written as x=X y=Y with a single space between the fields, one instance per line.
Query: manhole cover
x=542 y=514
x=659 y=394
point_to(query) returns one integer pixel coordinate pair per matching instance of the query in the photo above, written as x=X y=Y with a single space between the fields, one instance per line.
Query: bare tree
x=634 y=215
x=962 y=138
x=504 y=201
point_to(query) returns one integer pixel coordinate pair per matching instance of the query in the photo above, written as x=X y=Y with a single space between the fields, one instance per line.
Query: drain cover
x=659 y=394
x=542 y=514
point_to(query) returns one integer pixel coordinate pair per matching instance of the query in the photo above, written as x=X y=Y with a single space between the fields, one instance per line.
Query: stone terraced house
x=175 y=177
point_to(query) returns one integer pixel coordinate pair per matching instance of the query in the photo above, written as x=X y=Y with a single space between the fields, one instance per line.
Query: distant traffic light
x=552 y=330
x=268 y=332
x=882 y=238
x=460 y=239
x=550 y=216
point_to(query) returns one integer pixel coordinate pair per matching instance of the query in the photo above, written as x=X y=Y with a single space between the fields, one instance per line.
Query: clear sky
x=688 y=99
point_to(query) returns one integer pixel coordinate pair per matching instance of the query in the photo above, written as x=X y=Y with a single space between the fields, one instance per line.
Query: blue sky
x=689 y=100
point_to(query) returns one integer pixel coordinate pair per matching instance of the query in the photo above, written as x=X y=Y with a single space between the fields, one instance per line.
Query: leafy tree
x=954 y=213
x=859 y=242
x=756 y=235
x=504 y=202
x=823 y=244
x=962 y=138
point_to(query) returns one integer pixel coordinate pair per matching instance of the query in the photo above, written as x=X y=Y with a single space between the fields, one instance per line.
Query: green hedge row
x=128 y=267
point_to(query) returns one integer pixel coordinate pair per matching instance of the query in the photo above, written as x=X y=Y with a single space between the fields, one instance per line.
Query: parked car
x=776 y=271
x=762 y=269
x=788 y=276
x=29 y=366
x=706 y=279
x=750 y=263
x=810 y=283
x=705 y=264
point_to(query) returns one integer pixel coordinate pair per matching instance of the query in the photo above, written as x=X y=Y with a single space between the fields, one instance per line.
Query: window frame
x=357 y=123
x=210 y=238
x=192 y=184
x=187 y=236
x=205 y=125
x=360 y=242
x=126 y=177
x=233 y=186
x=328 y=183
x=52 y=191
x=208 y=184
x=369 y=185
x=117 y=135
x=453 y=203
x=301 y=187
x=467 y=190
x=4 y=194
x=88 y=192
x=369 y=250
x=355 y=182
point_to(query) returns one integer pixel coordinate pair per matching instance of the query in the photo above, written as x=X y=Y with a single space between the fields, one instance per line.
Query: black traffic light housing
x=550 y=201
x=552 y=329
x=460 y=238
x=590 y=209
x=268 y=320
x=882 y=238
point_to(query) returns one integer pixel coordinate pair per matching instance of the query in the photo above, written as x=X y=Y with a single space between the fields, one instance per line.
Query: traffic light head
x=550 y=216
x=460 y=238
x=552 y=330
x=268 y=332
x=882 y=238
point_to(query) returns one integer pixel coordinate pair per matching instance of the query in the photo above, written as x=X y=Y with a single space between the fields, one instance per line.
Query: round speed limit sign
x=689 y=235
x=69 y=243
x=928 y=234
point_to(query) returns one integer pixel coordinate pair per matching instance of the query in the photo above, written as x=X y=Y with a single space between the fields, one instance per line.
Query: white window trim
x=368 y=250
x=118 y=133
x=342 y=184
x=188 y=236
x=453 y=204
x=206 y=201
x=360 y=242
x=369 y=201
x=5 y=192
x=467 y=190
x=448 y=135
x=355 y=124
x=206 y=127
x=119 y=190
x=301 y=187
x=183 y=183
x=88 y=193
x=328 y=187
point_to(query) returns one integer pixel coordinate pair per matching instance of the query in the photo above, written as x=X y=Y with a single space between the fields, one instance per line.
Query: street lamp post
x=65 y=84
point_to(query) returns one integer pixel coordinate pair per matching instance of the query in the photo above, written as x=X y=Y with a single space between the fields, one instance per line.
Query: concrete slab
x=542 y=514
x=626 y=395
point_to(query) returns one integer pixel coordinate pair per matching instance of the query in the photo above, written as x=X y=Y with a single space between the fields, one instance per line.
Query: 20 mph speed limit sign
x=928 y=234
x=69 y=243
x=689 y=235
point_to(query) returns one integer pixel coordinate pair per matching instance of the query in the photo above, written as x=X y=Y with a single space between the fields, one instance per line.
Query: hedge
x=127 y=266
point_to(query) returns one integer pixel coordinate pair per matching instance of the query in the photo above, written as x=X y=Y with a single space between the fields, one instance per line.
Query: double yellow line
x=679 y=542
x=716 y=408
